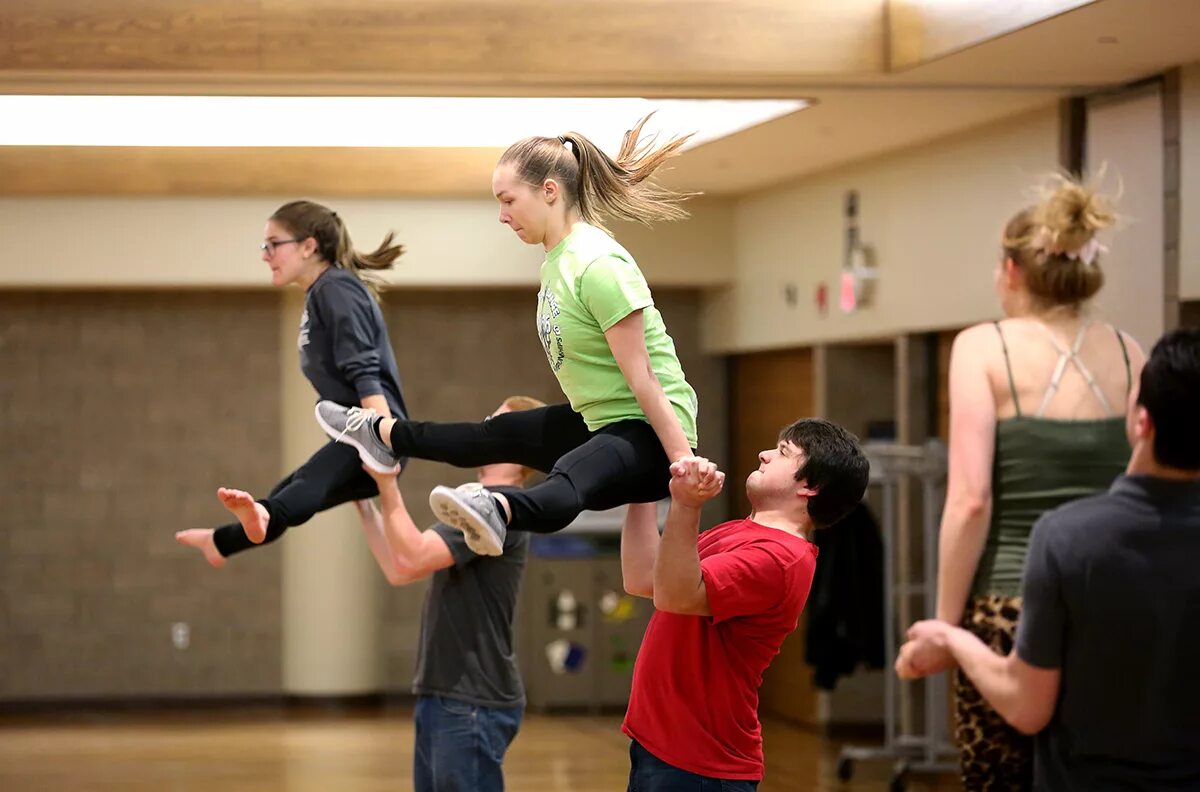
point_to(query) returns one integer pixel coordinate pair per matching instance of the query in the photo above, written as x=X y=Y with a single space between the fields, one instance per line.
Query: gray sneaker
x=472 y=510
x=353 y=425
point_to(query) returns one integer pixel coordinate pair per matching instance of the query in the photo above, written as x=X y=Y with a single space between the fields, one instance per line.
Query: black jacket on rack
x=845 y=606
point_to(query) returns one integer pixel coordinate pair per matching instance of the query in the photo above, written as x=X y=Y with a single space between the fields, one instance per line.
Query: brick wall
x=120 y=415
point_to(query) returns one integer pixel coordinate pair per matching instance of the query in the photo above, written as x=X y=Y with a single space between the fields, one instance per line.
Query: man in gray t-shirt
x=1108 y=644
x=466 y=650
x=470 y=699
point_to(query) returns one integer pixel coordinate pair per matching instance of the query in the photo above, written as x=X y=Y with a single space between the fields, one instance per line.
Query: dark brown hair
x=834 y=465
x=304 y=219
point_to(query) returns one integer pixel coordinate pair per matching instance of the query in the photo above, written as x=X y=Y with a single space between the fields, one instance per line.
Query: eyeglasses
x=269 y=246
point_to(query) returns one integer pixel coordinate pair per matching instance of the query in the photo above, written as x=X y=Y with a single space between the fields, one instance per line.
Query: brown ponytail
x=304 y=219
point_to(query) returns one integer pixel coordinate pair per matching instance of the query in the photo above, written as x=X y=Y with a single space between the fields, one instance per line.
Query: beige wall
x=213 y=242
x=1125 y=134
x=1189 y=214
x=332 y=590
x=933 y=215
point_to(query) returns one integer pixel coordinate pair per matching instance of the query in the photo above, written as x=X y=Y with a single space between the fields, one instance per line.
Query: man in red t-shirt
x=725 y=600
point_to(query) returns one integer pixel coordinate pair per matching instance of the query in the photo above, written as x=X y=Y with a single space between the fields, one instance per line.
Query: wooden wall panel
x=1189 y=315
x=363 y=172
x=769 y=391
x=945 y=342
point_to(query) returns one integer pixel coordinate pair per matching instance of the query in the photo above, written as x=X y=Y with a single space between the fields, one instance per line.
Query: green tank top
x=1040 y=464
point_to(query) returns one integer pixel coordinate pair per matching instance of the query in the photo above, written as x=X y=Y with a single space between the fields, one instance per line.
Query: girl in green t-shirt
x=630 y=410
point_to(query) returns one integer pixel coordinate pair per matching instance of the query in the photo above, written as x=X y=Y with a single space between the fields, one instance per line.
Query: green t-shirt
x=589 y=283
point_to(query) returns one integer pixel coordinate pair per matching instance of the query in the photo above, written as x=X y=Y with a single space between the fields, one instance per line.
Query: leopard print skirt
x=995 y=756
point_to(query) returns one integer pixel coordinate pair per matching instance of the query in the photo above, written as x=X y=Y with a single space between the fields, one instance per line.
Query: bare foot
x=253 y=516
x=202 y=540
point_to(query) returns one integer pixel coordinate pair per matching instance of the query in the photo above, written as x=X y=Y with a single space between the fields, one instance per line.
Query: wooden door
x=769 y=391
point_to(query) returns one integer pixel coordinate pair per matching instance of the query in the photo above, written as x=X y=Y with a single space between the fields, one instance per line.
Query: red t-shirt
x=694 y=702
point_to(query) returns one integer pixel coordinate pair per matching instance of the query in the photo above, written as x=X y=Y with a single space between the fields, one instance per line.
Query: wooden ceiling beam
x=497 y=46
x=360 y=172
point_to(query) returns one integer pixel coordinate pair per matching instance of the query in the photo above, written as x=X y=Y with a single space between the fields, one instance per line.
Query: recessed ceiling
x=832 y=54
x=842 y=126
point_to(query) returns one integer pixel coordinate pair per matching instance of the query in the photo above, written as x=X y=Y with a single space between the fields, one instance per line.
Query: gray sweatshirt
x=344 y=347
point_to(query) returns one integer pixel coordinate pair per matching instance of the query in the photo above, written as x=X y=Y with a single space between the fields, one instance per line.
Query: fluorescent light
x=401 y=122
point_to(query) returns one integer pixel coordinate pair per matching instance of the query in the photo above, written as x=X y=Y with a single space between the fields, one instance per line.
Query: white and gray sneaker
x=354 y=425
x=472 y=510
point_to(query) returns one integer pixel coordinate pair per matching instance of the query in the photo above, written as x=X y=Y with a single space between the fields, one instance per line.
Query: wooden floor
x=244 y=751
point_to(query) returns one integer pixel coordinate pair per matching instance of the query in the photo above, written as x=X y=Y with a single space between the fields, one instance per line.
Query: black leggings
x=621 y=463
x=332 y=476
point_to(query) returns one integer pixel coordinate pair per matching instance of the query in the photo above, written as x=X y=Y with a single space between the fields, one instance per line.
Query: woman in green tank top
x=1036 y=420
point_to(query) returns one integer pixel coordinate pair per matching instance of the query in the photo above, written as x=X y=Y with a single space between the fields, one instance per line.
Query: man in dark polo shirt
x=470 y=699
x=1105 y=668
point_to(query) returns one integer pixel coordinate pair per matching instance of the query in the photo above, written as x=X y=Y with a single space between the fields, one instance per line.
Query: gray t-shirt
x=466 y=650
x=1112 y=598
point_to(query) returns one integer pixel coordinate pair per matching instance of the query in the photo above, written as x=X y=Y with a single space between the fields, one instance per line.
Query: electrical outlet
x=181 y=635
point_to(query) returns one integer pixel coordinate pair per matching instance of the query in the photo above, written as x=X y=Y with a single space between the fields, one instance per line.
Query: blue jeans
x=648 y=773
x=460 y=746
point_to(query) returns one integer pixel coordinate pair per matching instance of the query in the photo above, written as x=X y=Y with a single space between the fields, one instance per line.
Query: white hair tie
x=1044 y=240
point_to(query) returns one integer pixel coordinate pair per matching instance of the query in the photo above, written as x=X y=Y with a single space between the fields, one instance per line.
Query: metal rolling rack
x=930 y=749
